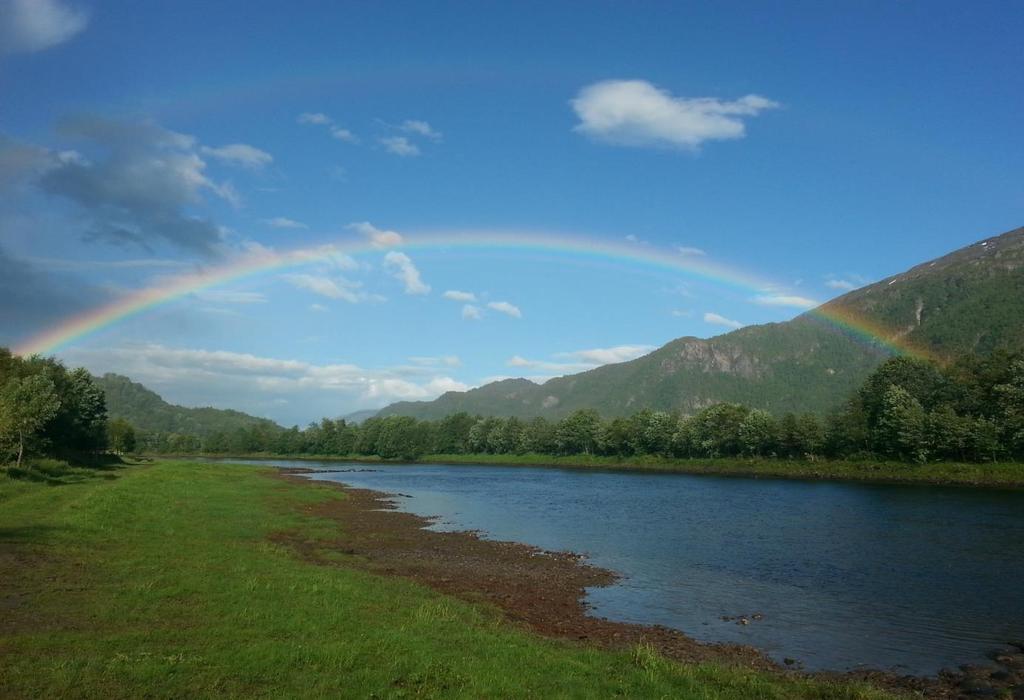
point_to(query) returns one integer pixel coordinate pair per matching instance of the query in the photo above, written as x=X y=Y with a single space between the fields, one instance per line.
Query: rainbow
x=262 y=261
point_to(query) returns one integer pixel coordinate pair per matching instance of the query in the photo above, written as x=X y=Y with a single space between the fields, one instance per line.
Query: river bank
x=545 y=591
x=178 y=579
x=1008 y=475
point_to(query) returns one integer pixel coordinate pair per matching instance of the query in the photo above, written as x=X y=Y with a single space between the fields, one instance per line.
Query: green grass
x=994 y=474
x=163 y=583
x=989 y=474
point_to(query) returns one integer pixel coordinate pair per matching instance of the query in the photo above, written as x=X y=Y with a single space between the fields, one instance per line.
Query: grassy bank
x=990 y=474
x=164 y=582
x=995 y=474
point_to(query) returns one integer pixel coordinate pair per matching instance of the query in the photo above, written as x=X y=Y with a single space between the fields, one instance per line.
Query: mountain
x=357 y=417
x=145 y=409
x=970 y=301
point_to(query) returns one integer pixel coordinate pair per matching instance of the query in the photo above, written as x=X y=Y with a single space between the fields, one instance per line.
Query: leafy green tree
x=715 y=431
x=120 y=436
x=26 y=405
x=578 y=432
x=759 y=433
x=901 y=427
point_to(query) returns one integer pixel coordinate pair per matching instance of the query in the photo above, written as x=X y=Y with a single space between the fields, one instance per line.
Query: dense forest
x=907 y=409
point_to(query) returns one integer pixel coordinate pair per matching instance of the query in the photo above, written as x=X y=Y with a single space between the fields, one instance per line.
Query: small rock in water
x=788 y=661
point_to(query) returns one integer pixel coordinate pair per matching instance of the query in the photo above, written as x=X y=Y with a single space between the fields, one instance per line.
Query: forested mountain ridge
x=970 y=301
x=146 y=410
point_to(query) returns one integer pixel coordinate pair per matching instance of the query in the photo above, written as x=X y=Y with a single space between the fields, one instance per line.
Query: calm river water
x=912 y=579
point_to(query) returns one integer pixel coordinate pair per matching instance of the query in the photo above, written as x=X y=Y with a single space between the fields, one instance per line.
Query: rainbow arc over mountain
x=258 y=262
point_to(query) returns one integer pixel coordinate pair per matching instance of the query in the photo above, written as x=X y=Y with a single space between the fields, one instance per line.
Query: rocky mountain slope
x=970 y=301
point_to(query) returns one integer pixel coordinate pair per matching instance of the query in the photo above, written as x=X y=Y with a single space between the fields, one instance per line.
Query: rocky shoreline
x=544 y=591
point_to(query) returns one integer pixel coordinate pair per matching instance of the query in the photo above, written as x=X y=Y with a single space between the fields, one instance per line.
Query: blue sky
x=816 y=145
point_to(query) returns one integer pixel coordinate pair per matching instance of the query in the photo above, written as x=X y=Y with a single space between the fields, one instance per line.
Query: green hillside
x=145 y=409
x=970 y=301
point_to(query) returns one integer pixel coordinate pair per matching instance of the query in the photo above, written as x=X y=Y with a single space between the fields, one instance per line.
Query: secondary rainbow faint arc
x=76 y=327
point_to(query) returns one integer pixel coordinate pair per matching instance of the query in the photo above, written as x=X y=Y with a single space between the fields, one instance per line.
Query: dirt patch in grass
x=540 y=589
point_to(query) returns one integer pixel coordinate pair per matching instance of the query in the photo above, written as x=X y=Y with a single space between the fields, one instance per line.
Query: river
x=833 y=575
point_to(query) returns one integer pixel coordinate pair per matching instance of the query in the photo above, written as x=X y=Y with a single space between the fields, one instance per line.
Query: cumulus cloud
x=456 y=295
x=442 y=360
x=637 y=113
x=581 y=360
x=606 y=356
x=343 y=134
x=225 y=296
x=690 y=251
x=314 y=118
x=240 y=154
x=842 y=285
x=471 y=313
x=336 y=130
x=379 y=237
x=794 y=301
x=138 y=186
x=265 y=385
x=34 y=25
x=284 y=222
x=506 y=308
x=336 y=287
x=400 y=146
x=719 y=320
x=402 y=268
x=317 y=307
x=422 y=128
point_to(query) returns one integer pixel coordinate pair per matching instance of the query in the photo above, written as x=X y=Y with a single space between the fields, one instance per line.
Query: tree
x=577 y=433
x=26 y=405
x=121 y=436
x=901 y=426
x=759 y=433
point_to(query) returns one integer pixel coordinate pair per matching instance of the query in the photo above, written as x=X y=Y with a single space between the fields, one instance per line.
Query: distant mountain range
x=144 y=409
x=970 y=301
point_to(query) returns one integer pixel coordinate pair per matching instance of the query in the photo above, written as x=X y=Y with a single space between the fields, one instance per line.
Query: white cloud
x=456 y=295
x=506 y=308
x=690 y=251
x=248 y=382
x=442 y=360
x=34 y=25
x=785 y=300
x=403 y=269
x=224 y=296
x=606 y=356
x=343 y=134
x=379 y=237
x=471 y=313
x=636 y=113
x=718 y=320
x=400 y=146
x=314 y=118
x=415 y=126
x=682 y=313
x=320 y=119
x=240 y=154
x=580 y=360
x=284 y=222
x=843 y=285
x=332 y=288
x=317 y=307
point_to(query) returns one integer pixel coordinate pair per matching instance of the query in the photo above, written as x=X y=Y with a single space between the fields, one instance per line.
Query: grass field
x=163 y=582
x=988 y=474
